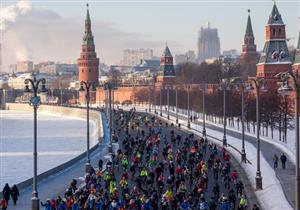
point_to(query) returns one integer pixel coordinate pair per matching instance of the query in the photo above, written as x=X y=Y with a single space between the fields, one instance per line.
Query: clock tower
x=275 y=57
x=167 y=71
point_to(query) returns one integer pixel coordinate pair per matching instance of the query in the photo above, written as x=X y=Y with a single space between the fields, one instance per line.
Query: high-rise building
x=88 y=63
x=275 y=57
x=249 y=57
x=208 y=44
x=189 y=56
x=134 y=57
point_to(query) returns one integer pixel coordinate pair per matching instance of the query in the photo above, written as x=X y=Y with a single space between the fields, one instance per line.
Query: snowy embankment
x=288 y=148
x=272 y=196
x=60 y=139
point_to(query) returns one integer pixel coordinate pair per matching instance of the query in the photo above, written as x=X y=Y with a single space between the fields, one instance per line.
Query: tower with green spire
x=166 y=64
x=249 y=45
x=249 y=56
x=88 y=63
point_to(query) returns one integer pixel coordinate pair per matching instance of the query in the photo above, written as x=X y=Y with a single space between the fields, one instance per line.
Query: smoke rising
x=9 y=14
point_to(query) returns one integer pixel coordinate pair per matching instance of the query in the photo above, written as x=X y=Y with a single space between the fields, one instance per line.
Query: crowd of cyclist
x=157 y=167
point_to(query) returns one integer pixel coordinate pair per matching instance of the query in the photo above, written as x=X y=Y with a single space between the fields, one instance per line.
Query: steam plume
x=9 y=14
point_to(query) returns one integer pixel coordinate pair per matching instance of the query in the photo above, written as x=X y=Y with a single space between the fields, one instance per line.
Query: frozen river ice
x=60 y=139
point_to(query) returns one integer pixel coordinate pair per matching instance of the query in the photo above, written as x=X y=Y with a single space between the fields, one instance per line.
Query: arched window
x=279 y=31
x=273 y=32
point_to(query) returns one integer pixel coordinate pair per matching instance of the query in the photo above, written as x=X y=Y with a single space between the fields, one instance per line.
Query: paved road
x=57 y=184
x=166 y=134
x=285 y=176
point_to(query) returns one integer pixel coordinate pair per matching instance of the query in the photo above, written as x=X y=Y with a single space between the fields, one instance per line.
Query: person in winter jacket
x=6 y=192
x=47 y=205
x=225 y=205
x=243 y=203
x=283 y=160
x=15 y=194
x=203 y=204
x=184 y=205
x=3 y=204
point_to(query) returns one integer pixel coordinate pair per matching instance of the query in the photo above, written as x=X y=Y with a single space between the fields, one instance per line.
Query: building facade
x=275 y=57
x=208 y=44
x=24 y=66
x=249 y=56
x=135 y=91
x=59 y=69
x=134 y=57
x=189 y=56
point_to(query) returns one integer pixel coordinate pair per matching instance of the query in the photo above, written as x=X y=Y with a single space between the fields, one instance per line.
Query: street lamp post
x=188 y=105
x=257 y=83
x=87 y=87
x=176 y=102
x=154 y=100
x=149 y=99
x=35 y=101
x=160 y=107
x=241 y=88
x=243 y=155
x=168 y=99
x=224 y=87
x=110 y=87
x=286 y=90
x=203 y=89
x=4 y=97
x=224 y=117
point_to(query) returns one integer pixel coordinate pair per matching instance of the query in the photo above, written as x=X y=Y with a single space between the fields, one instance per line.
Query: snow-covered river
x=60 y=139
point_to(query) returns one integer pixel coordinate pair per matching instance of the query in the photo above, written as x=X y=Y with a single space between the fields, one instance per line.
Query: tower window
x=273 y=31
x=279 y=31
x=82 y=70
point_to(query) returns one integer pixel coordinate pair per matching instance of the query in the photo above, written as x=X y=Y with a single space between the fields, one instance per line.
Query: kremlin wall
x=275 y=58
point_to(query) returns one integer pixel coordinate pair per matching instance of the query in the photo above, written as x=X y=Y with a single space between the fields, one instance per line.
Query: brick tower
x=275 y=57
x=249 y=57
x=167 y=71
x=88 y=63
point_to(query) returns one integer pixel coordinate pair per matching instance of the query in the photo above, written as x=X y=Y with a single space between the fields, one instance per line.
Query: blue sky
x=176 y=22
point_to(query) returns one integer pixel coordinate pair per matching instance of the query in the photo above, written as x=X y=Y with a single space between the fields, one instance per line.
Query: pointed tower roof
x=87 y=19
x=249 y=31
x=275 y=16
x=88 y=38
x=167 y=52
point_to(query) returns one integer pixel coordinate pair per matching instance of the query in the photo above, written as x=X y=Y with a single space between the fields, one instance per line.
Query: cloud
x=9 y=14
x=42 y=35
